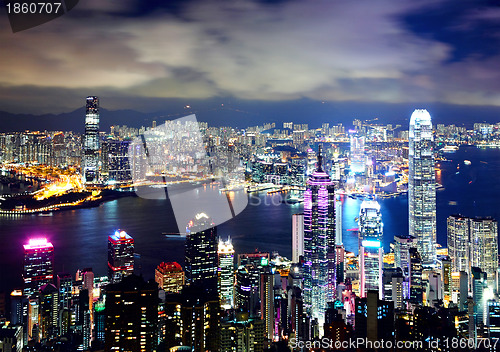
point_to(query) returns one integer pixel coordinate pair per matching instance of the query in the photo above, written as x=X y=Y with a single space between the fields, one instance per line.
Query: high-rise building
x=117 y=161
x=484 y=248
x=358 y=158
x=90 y=162
x=415 y=277
x=402 y=245
x=38 y=265
x=131 y=315
x=247 y=289
x=120 y=256
x=422 y=186
x=170 y=277
x=370 y=248
x=226 y=273
x=319 y=243
x=267 y=301
x=374 y=317
x=297 y=236
x=201 y=253
x=49 y=311
x=458 y=242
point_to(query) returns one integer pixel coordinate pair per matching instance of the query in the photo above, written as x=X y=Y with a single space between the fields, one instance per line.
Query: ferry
x=174 y=235
x=467 y=162
x=449 y=149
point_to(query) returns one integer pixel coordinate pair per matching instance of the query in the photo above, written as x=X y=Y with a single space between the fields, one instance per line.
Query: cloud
x=324 y=50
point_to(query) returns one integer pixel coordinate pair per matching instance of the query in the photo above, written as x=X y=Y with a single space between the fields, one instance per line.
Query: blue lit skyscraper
x=319 y=243
x=90 y=162
x=422 y=185
x=370 y=248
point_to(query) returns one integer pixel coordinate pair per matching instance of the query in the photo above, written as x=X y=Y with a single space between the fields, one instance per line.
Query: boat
x=449 y=149
x=467 y=162
x=174 y=235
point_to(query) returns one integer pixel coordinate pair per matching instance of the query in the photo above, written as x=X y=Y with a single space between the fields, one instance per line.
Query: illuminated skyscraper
x=358 y=157
x=319 y=243
x=422 y=185
x=402 y=245
x=120 y=256
x=226 y=273
x=370 y=248
x=416 y=285
x=170 y=277
x=131 y=315
x=484 y=248
x=38 y=265
x=90 y=162
x=458 y=242
x=297 y=236
x=201 y=253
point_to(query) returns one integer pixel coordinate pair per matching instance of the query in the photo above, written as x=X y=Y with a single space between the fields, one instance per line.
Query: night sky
x=140 y=55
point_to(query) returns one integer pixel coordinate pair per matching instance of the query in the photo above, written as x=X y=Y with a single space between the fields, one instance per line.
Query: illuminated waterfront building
x=120 y=256
x=90 y=162
x=458 y=242
x=319 y=243
x=370 y=248
x=131 y=310
x=422 y=186
x=116 y=161
x=226 y=273
x=38 y=265
x=201 y=253
x=297 y=236
x=170 y=277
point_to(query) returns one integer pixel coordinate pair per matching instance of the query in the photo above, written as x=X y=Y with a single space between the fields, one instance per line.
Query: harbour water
x=80 y=236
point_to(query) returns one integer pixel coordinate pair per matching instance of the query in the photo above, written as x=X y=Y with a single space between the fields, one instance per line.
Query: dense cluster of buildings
x=220 y=300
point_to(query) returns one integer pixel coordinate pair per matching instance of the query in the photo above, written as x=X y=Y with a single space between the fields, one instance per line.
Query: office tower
x=65 y=287
x=131 y=315
x=358 y=158
x=83 y=318
x=479 y=294
x=38 y=265
x=319 y=243
x=120 y=256
x=118 y=165
x=493 y=319
x=402 y=245
x=398 y=290
x=192 y=319
x=374 y=318
x=484 y=248
x=49 y=311
x=339 y=262
x=242 y=334
x=297 y=236
x=370 y=248
x=247 y=289
x=434 y=288
x=90 y=162
x=170 y=277
x=11 y=338
x=422 y=186
x=461 y=289
x=446 y=274
x=338 y=223
x=458 y=242
x=415 y=277
x=201 y=253
x=267 y=301
x=226 y=273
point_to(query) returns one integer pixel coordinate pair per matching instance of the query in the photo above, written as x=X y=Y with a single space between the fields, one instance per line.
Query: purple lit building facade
x=319 y=243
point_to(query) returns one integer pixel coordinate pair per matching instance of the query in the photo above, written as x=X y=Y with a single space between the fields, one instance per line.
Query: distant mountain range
x=241 y=113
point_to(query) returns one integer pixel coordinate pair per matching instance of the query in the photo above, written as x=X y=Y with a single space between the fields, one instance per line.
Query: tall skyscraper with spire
x=422 y=185
x=319 y=243
x=90 y=161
